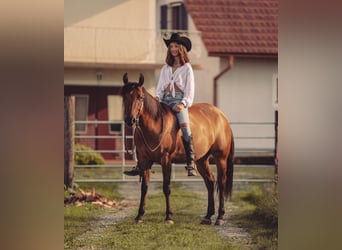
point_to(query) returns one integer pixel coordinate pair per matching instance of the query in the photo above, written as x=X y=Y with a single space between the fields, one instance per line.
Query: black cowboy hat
x=175 y=37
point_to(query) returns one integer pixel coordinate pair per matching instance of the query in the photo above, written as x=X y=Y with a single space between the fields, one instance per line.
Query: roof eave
x=135 y=66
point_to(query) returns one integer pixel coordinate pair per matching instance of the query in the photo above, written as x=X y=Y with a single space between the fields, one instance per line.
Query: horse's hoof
x=138 y=221
x=169 y=222
x=219 y=222
x=206 y=221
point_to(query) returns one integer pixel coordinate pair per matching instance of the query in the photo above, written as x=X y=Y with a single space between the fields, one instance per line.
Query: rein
x=125 y=140
x=160 y=138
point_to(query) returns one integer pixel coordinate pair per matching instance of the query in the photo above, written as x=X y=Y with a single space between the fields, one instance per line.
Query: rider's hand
x=179 y=107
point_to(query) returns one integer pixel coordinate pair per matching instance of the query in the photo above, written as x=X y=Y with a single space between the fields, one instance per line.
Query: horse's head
x=133 y=99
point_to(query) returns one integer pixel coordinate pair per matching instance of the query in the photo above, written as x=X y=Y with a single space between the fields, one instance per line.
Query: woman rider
x=176 y=88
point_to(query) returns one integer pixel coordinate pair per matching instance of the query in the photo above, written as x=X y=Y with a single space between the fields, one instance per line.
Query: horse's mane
x=152 y=106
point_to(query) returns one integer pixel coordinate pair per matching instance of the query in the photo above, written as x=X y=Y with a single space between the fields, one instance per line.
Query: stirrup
x=135 y=171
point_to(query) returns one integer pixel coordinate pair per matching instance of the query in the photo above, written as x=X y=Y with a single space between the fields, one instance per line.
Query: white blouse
x=183 y=77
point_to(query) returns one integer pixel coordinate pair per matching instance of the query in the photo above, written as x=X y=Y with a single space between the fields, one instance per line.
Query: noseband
x=135 y=121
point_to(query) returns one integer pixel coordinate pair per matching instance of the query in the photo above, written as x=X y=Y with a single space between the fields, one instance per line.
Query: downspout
x=229 y=66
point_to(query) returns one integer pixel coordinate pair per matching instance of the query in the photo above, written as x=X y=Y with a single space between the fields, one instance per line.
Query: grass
x=254 y=172
x=255 y=209
x=186 y=233
x=99 y=172
x=77 y=220
x=154 y=233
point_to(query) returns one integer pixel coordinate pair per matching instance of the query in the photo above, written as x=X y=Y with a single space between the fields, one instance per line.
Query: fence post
x=69 y=128
x=276 y=147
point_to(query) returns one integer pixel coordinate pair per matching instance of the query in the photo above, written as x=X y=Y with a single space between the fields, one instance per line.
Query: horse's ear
x=125 y=78
x=141 y=79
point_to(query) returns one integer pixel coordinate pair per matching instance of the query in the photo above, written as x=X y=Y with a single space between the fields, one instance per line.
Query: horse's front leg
x=166 y=167
x=144 y=188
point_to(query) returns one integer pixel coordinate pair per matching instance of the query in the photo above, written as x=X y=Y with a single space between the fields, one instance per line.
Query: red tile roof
x=240 y=27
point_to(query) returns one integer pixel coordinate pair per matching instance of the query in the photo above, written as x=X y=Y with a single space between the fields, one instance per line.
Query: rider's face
x=174 y=49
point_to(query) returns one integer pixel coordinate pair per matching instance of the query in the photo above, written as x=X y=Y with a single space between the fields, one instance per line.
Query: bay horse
x=158 y=140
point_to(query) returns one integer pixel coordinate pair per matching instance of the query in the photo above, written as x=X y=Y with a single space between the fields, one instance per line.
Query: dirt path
x=132 y=193
x=108 y=219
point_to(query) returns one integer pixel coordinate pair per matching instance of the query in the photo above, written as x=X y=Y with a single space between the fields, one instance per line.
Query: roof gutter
x=245 y=55
x=229 y=66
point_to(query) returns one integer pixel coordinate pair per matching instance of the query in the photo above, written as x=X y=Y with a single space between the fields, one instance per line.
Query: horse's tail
x=230 y=170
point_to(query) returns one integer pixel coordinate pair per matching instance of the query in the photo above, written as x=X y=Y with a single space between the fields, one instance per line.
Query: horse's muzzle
x=130 y=121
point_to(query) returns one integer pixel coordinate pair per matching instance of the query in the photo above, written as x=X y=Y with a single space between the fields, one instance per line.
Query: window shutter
x=175 y=17
x=163 y=17
x=183 y=16
x=179 y=17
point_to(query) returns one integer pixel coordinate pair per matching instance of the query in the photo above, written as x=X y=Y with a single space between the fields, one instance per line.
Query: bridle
x=136 y=126
x=135 y=121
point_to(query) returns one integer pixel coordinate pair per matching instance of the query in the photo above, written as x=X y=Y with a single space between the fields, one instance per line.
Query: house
x=243 y=34
x=105 y=39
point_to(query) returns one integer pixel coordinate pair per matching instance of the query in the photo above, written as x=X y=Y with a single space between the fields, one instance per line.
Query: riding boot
x=135 y=171
x=190 y=156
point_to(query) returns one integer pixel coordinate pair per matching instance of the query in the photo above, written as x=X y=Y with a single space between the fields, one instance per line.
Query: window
x=115 y=112
x=173 y=16
x=81 y=112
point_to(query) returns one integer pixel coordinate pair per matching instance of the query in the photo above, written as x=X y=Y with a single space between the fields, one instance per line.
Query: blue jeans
x=182 y=116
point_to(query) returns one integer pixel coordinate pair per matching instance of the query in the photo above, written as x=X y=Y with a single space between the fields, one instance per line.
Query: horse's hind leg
x=221 y=180
x=203 y=168
x=144 y=187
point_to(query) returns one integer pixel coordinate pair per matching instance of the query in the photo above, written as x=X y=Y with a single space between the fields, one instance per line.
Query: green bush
x=267 y=208
x=266 y=203
x=260 y=216
x=82 y=158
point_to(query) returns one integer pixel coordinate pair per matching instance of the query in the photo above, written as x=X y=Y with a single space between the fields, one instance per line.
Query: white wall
x=204 y=78
x=123 y=14
x=244 y=93
x=121 y=31
x=110 y=77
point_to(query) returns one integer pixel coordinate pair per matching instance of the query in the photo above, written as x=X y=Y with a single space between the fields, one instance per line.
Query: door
x=92 y=104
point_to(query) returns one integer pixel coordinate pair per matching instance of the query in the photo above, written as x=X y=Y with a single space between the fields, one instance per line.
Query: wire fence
x=113 y=170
